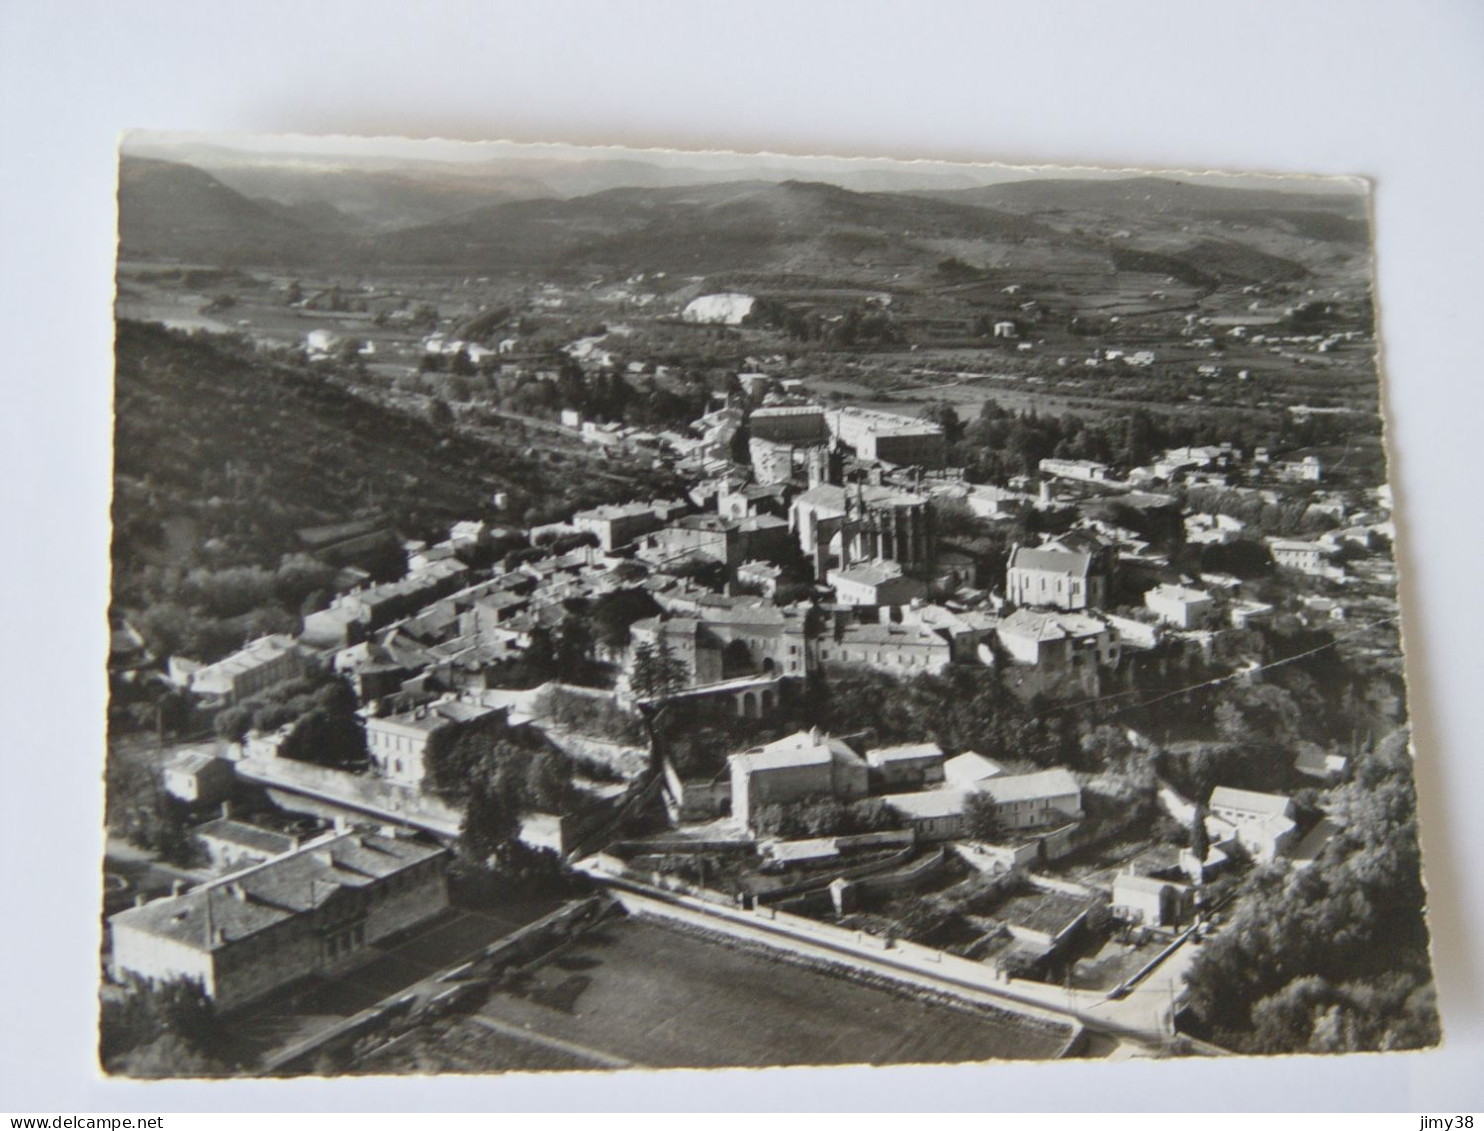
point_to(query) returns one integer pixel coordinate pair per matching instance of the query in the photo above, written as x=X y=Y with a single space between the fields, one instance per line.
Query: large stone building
x=728 y=642
x=840 y=526
x=805 y=764
x=1262 y=823
x=398 y=744
x=318 y=910
x=199 y=776
x=1086 y=470
x=772 y=460
x=789 y=424
x=264 y=662
x=889 y=438
x=1058 y=641
x=1057 y=653
x=710 y=537
x=1030 y=801
x=620 y=524
x=1060 y=574
x=903 y=649
x=1181 y=607
x=1306 y=557
x=874 y=583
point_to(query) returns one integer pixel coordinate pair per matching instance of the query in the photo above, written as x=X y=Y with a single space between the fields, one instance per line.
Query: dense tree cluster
x=823 y=816
x=982 y=817
x=1331 y=958
x=593 y=715
x=855 y=326
x=999 y=443
x=160 y=1028
x=510 y=780
x=962 y=708
x=657 y=671
x=1290 y=517
x=614 y=612
x=319 y=706
x=138 y=808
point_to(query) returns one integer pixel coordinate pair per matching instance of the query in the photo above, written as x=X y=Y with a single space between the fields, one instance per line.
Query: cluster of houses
x=822 y=549
x=854 y=539
x=1211 y=465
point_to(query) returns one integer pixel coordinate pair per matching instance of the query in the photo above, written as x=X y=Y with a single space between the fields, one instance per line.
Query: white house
x=805 y=764
x=1306 y=557
x=1027 y=801
x=1180 y=607
x=874 y=583
x=1262 y=823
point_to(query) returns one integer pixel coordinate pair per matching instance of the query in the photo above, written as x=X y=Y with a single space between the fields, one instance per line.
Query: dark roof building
x=311 y=911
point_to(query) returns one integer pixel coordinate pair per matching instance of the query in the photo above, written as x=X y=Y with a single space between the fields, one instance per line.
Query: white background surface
x=1392 y=91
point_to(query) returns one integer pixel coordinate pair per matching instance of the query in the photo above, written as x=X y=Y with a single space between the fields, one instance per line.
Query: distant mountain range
x=1150 y=195
x=504 y=215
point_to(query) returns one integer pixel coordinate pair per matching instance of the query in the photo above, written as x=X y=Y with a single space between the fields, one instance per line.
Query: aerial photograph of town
x=599 y=609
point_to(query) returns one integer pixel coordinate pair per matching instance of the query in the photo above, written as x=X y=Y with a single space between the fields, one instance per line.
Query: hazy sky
x=336 y=149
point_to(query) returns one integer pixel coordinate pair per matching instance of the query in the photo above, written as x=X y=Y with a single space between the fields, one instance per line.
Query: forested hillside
x=222 y=455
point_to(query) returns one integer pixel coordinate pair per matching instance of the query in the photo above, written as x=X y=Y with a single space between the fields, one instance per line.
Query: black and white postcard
x=591 y=609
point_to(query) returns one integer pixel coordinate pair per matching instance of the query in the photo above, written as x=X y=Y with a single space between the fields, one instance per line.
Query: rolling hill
x=357 y=219
x=701 y=229
x=251 y=450
x=1144 y=196
x=377 y=200
x=174 y=210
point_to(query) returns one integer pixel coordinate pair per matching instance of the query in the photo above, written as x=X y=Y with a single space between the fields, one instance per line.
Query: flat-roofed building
x=1181 y=607
x=1086 y=470
x=874 y=583
x=1150 y=901
x=889 y=438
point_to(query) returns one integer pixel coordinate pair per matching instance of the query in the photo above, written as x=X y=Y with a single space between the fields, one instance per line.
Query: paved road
x=1147 y=1008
